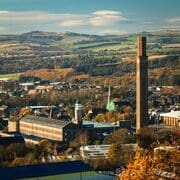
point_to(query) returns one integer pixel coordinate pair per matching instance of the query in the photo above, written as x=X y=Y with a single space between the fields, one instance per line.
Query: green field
x=120 y=47
x=106 y=47
x=94 y=45
x=13 y=76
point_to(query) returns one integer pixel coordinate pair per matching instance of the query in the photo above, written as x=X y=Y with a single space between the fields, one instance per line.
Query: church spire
x=109 y=94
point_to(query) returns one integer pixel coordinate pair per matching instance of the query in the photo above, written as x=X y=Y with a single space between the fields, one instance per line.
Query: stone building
x=57 y=130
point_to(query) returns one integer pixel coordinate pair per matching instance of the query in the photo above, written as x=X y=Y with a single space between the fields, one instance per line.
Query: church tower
x=78 y=113
x=141 y=85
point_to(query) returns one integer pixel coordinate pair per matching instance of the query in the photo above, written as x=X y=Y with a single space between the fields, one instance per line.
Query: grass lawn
x=13 y=76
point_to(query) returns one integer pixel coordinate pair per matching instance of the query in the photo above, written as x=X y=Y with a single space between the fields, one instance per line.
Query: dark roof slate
x=45 y=121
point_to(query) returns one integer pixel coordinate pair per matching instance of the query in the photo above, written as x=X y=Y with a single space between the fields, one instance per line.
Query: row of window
x=40 y=128
x=171 y=121
x=44 y=134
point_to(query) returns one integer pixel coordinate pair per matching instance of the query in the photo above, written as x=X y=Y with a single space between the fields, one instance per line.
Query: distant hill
x=87 y=54
x=85 y=41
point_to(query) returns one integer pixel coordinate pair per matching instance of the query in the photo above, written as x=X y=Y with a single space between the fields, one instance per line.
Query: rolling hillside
x=87 y=54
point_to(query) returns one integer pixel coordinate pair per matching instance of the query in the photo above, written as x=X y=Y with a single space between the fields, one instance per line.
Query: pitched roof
x=39 y=170
x=45 y=121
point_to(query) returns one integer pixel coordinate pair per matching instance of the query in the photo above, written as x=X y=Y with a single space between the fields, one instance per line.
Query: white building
x=171 y=118
x=101 y=151
x=94 y=151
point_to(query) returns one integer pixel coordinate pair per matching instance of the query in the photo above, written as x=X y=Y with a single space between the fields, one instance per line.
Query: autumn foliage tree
x=19 y=161
x=145 y=164
x=139 y=168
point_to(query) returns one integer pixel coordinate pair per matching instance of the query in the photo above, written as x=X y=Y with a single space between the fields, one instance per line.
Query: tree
x=145 y=164
x=110 y=116
x=82 y=138
x=16 y=150
x=13 y=101
x=24 y=111
x=139 y=167
x=46 y=146
x=120 y=154
x=127 y=109
x=23 y=78
x=18 y=161
x=149 y=137
x=30 y=158
x=115 y=155
x=99 y=164
x=36 y=151
x=100 y=118
x=176 y=80
x=146 y=137
x=121 y=136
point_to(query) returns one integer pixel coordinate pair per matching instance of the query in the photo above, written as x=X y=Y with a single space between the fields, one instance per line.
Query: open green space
x=93 y=44
x=112 y=47
x=13 y=76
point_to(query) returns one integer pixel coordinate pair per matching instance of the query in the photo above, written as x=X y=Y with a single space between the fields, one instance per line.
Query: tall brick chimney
x=141 y=84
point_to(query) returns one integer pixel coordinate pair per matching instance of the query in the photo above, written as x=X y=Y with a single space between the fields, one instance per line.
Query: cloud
x=23 y=21
x=106 y=17
x=173 y=20
x=106 y=12
x=74 y=20
x=112 y=32
x=98 y=18
x=29 y=17
x=3 y=12
x=69 y=23
x=173 y=23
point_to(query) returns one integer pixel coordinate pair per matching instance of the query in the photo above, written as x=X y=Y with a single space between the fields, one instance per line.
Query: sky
x=88 y=16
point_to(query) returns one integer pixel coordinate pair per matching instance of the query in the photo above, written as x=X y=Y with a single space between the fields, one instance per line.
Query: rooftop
x=45 y=121
x=101 y=151
x=27 y=84
x=173 y=114
x=98 y=124
x=40 y=107
x=165 y=148
x=11 y=139
x=94 y=151
x=39 y=170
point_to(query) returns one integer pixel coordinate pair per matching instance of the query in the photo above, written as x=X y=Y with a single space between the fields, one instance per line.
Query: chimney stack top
x=141 y=49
